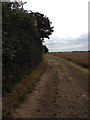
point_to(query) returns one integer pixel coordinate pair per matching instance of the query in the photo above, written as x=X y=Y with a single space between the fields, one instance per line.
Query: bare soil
x=62 y=92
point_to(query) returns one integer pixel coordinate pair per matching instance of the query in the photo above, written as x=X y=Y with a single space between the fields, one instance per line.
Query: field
x=62 y=92
x=80 y=58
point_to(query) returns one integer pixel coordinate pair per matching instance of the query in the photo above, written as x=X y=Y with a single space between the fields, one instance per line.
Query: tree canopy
x=22 y=35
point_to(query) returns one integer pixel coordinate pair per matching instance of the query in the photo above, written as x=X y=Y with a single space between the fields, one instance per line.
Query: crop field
x=80 y=58
x=62 y=92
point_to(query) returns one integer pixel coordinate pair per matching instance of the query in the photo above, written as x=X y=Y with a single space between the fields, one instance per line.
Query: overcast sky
x=70 y=21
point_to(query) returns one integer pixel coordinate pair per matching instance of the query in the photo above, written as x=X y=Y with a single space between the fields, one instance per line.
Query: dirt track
x=62 y=92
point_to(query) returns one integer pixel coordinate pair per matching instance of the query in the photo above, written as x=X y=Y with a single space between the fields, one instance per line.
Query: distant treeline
x=73 y=51
x=22 y=35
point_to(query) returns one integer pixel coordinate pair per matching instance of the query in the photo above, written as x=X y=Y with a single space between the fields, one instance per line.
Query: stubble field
x=80 y=58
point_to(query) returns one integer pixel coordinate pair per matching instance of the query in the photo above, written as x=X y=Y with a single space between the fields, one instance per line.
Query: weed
x=80 y=58
x=17 y=95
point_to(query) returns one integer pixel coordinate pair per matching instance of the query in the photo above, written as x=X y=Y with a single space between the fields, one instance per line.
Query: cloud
x=56 y=44
x=69 y=18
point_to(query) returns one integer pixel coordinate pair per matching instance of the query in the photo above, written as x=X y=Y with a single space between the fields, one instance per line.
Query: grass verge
x=79 y=67
x=83 y=71
x=12 y=100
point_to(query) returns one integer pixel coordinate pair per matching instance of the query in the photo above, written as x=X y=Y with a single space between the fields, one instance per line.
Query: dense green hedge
x=22 y=36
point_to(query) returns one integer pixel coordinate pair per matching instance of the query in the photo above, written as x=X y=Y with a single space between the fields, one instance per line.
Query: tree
x=43 y=25
x=45 y=49
x=22 y=36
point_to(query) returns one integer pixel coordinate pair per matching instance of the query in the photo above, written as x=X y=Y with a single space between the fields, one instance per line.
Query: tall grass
x=12 y=100
x=80 y=58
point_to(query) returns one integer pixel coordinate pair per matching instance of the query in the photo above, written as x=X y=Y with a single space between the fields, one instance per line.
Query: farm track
x=62 y=92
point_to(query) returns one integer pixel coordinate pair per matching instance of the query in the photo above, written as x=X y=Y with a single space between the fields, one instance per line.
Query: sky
x=70 y=21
